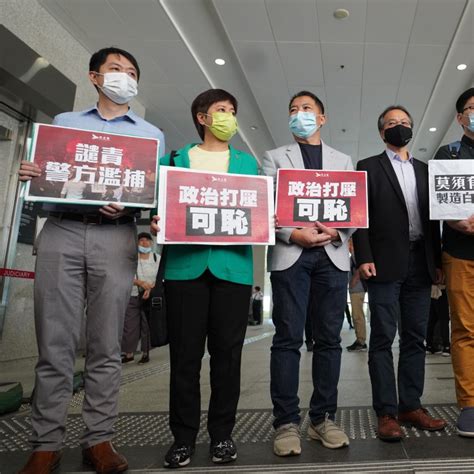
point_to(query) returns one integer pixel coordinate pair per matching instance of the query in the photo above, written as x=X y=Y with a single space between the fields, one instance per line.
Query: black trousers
x=211 y=308
x=406 y=303
x=257 y=311
x=439 y=321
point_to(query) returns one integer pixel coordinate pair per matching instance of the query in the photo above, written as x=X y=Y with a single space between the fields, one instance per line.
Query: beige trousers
x=358 y=316
x=460 y=287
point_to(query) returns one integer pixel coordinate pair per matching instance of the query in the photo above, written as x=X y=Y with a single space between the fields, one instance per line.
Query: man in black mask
x=399 y=256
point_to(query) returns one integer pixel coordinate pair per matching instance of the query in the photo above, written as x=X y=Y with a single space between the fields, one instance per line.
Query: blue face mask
x=470 y=127
x=303 y=124
x=144 y=249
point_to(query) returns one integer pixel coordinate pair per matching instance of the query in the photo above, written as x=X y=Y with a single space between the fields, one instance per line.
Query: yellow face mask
x=224 y=125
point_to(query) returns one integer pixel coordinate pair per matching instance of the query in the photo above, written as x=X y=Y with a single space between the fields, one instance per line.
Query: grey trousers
x=135 y=327
x=80 y=265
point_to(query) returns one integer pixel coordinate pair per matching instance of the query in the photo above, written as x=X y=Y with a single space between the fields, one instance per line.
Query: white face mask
x=119 y=87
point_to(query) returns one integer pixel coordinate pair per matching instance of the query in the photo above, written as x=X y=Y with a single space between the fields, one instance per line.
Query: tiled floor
x=142 y=432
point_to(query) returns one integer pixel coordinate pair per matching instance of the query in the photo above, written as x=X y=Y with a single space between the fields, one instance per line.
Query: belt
x=415 y=244
x=94 y=219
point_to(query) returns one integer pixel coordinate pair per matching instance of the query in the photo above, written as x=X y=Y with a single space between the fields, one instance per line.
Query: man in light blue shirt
x=86 y=258
x=400 y=257
x=128 y=123
x=405 y=173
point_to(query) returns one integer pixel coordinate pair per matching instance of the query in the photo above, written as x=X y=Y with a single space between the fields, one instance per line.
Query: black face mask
x=398 y=136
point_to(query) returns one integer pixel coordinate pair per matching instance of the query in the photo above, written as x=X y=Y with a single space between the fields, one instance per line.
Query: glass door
x=14 y=129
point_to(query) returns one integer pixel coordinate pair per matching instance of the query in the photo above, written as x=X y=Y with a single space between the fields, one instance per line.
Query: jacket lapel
x=235 y=162
x=293 y=152
x=421 y=186
x=181 y=159
x=392 y=177
x=326 y=157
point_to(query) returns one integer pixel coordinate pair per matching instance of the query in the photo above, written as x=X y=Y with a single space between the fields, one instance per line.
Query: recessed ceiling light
x=432 y=129
x=461 y=67
x=253 y=127
x=341 y=13
x=219 y=61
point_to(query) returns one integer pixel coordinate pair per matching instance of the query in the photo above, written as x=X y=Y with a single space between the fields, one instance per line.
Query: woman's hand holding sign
x=154 y=228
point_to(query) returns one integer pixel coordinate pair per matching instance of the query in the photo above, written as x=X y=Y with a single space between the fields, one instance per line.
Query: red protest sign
x=13 y=273
x=199 y=207
x=88 y=167
x=334 y=198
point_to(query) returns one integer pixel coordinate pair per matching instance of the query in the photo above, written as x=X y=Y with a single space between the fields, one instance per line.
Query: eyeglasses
x=469 y=108
x=393 y=123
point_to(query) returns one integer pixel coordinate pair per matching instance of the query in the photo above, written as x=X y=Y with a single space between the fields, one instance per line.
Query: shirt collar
x=394 y=157
x=130 y=115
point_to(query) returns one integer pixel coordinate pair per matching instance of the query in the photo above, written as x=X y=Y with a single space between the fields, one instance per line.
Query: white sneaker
x=287 y=441
x=330 y=435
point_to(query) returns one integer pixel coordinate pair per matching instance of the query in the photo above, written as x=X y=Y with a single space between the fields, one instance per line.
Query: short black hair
x=257 y=288
x=204 y=100
x=144 y=235
x=463 y=98
x=99 y=58
x=309 y=94
x=380 y=120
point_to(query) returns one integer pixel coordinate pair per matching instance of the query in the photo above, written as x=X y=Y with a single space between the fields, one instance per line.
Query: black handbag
x=155 y=308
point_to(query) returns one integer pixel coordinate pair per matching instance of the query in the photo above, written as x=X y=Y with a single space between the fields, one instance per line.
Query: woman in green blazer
x=208 y=290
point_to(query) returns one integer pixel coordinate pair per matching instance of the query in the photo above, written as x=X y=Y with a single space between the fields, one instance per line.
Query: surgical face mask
x=224 y=125
x=119 y=87
x=303 y=124
x=470 y=126
x=398 y=136
x=144 y=249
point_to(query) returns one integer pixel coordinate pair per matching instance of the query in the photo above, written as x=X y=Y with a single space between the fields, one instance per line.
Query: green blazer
x=232 y=263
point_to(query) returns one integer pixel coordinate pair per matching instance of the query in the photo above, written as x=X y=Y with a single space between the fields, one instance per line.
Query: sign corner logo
x=100 y=137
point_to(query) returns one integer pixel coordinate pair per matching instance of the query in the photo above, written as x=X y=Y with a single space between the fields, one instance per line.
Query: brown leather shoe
x=104 y=459
x=42 y=462
x=389 y=428
x=422 y=420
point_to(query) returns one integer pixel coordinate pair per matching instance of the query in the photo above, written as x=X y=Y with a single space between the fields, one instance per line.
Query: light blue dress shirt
x=90 y=119
x=406 y=178
x=128 y=124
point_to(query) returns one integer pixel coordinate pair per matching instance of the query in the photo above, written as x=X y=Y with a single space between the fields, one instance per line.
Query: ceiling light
x=253 y=127
x=461 y=67
x=219 y=61
x=432 y=129
x=341 y=13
